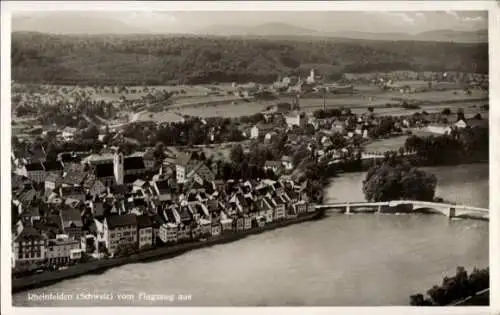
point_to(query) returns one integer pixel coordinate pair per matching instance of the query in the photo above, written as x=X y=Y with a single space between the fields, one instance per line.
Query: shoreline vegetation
x=460 y=289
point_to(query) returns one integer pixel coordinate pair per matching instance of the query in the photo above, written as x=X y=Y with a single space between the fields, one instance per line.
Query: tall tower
x=311 y=76
x=324 y=100
x=118 y=167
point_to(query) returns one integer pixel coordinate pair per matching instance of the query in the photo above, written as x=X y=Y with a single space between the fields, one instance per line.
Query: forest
x=161 y=59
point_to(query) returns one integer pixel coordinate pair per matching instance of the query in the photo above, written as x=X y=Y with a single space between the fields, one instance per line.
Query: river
x=342 y=260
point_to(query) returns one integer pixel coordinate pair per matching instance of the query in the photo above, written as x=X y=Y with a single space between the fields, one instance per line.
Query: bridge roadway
x=450 y=210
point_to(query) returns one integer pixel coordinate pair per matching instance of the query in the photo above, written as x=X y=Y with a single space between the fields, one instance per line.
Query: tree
x=237 y=155
x=446 y=111
x=460 y=114
x=371 y=109
x=91 y=133
x=393 y=180
x=300 y=154
x=478 y=116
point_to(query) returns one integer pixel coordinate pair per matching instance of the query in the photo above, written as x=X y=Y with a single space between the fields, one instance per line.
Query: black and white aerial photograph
x=248 y=158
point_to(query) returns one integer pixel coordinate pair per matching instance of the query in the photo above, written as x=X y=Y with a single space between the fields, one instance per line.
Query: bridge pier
x=379 y=208
x=347 y=208
x=452 y=212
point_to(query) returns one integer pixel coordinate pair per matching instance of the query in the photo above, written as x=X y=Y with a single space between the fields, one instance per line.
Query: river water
x=342 y=260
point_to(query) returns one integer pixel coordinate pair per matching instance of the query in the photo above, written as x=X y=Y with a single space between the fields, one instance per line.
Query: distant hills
x=73 y=23
x=289 y=30
x=167 y=59
x=79 y=23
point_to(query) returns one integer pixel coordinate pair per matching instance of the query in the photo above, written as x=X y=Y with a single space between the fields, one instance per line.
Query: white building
x=461 y=124
x=168 y=233
x=311 y=78
x=59 y=249
x=117 y=231
x=29 y=248
x=295 y=119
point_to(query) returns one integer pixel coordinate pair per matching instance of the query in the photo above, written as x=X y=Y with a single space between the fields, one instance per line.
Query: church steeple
x=118 y=167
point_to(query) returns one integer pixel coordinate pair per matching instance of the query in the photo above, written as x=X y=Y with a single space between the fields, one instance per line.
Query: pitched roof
x=53 y=177
x=115 y=221
x=18 y=181
x=119 y=189
x=97 y=187
x=104 y=170
x=139 y=183
x=143 y=221
x=183 y=158
x=37 y=166
x=71 y=216
x=133 y=163
x=74 y=178
x=163 y=186
x=270 y=163
x=50 y=166
x=29 y=233
x=157 y=220
x=170 y=216
x=72 y=190
x=69 y=157
x=99 y=157
x=185 y=214
x=130 y=178
x=149 y=154
x=27 y=196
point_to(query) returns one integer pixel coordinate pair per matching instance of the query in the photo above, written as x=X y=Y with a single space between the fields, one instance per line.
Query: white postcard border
x=7 y=7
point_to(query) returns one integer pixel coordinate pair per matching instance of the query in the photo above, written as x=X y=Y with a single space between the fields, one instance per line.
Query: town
x=112 y=196
x=173 y=156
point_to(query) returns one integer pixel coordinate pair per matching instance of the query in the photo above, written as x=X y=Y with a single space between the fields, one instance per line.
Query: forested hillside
x=155 y=60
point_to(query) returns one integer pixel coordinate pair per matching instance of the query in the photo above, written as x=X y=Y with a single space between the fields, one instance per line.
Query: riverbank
x=99 y=266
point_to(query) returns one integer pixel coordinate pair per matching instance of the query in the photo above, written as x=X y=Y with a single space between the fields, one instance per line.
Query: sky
x=197 y=21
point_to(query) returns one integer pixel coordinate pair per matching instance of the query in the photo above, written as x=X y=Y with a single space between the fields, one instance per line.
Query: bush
x=393 y=180
x=446 y=111
x=454 y=288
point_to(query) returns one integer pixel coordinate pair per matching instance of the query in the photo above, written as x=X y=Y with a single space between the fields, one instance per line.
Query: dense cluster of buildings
x=109 y=204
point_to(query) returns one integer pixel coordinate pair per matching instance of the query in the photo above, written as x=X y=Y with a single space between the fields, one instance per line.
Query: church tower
x=118 y=167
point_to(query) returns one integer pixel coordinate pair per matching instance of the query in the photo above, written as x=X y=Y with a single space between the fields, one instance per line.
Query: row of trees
x=145 y=60
x=460 y=145
x=455 y=288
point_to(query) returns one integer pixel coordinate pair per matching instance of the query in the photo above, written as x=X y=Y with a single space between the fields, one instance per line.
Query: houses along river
x=342 y=260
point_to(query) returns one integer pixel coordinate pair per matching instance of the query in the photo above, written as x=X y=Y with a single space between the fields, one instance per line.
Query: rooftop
x=133 y=163
x=115 y=221
x=104 y=170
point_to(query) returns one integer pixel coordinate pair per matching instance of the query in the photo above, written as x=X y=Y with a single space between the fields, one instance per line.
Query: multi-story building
x=279 y=208
x=59 y=249
x=216 y=229
x=300 y=207
x=33 y=171
x=144 y=232
x=53 y=167
x=29 y=248
x=168 y=233
x=118 y=231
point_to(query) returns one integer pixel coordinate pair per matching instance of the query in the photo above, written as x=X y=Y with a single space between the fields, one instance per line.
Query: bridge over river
x=408 y=206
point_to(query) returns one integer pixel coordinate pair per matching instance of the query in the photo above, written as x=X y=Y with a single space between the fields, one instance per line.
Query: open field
x=113 y=93
x=437 y=96
x=225 y=110
x=470 y=109
x=393 y=144
x=159 y=117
